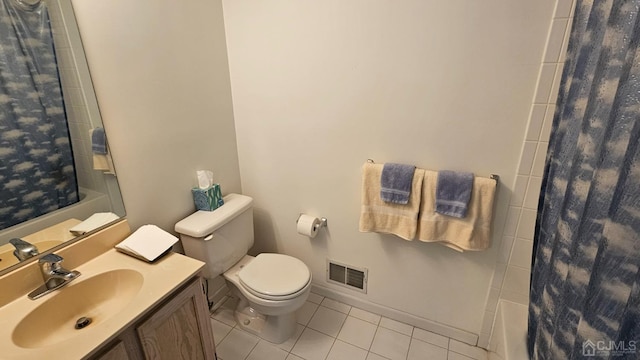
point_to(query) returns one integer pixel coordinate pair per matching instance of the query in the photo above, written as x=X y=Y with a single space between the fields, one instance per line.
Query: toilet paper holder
x=323 y=222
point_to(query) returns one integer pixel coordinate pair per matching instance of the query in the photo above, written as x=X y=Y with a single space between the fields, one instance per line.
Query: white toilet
x=271 y=287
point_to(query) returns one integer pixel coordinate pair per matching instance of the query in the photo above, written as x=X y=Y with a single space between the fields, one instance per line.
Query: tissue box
x=207 y=199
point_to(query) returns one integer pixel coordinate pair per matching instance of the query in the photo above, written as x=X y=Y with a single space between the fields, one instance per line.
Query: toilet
x=271 y=287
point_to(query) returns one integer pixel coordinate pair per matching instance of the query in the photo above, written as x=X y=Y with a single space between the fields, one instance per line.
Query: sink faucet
x=24 y=250
x=54 y=275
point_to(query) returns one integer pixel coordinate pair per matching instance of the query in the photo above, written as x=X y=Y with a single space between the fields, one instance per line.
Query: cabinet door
x=180 y=329
x=125 y=347
x=118 y=352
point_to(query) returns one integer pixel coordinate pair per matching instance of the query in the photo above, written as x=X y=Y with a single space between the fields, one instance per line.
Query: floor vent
x=346 y=275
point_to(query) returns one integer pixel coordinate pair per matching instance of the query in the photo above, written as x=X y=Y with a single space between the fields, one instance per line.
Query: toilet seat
x=274 y=276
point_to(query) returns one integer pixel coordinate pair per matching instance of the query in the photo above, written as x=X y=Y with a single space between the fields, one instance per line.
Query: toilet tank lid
x=202 y=223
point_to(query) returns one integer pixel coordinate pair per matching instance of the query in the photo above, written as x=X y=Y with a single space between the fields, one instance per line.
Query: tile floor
x=330 y=330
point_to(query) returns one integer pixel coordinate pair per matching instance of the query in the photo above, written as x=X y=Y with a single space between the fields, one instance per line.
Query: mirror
x=98 y=189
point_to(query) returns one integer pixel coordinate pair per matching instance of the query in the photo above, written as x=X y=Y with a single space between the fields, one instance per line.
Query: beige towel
x=472 y=232
x=379 y=216
x=103 y=163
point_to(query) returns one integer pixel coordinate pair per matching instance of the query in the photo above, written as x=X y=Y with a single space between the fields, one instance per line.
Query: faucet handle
x=19 y=242
x=24 y=250
x=51 y=259
x=54 y=275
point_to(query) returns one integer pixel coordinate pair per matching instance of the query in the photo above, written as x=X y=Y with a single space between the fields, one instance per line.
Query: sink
x=115 y=290
x=98 y=298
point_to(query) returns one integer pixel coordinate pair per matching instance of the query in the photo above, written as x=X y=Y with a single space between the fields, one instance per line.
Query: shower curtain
x=585 y=281
x=37 y=173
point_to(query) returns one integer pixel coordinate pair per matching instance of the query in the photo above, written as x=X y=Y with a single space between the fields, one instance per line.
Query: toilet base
x=274 y=329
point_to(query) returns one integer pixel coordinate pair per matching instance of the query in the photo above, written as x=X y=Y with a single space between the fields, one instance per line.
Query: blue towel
x=395 y=183
x=99 y=141
x=453 y=191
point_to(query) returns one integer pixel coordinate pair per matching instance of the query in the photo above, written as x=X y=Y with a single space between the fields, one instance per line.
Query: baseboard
x=438 y=328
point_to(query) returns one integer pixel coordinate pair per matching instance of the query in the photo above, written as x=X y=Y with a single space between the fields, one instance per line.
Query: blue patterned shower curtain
x=585 y=282
x=37 y=173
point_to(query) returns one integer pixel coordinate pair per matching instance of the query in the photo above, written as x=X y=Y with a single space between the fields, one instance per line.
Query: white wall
x=320 y=87
x=518 y=241
x=513 y=266
x=161 y=78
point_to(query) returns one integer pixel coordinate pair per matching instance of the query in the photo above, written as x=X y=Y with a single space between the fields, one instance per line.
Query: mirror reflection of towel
x=98 y=141
x=101 y=162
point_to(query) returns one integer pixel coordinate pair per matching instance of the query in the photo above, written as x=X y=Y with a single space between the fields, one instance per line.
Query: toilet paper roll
x=308 y=225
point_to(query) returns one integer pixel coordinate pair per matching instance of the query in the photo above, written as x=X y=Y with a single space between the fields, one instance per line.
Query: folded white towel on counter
x=147 y=243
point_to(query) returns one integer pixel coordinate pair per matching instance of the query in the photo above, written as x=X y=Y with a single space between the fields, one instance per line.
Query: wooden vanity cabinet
x=179 y=328
x=125 y=347
x=116 y=352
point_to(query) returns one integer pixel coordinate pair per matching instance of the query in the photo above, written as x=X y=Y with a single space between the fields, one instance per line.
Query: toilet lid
x=274 y=275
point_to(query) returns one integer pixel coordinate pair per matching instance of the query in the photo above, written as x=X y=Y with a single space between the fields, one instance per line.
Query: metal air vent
x=347 y=275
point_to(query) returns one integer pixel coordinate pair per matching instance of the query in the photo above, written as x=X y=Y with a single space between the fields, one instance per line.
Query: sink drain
x=82 y=323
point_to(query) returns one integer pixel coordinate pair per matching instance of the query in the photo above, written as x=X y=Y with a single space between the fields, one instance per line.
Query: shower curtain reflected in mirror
x=37 y=173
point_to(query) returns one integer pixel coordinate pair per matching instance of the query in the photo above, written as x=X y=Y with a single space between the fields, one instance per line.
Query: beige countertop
x=159 y=280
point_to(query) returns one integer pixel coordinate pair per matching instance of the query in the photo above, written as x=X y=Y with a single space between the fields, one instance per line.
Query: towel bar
x=495 y=177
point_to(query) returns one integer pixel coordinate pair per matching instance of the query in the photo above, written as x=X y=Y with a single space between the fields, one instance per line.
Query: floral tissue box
x=207 y=199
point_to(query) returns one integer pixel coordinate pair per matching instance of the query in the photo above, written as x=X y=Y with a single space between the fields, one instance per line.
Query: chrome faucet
x=24 y=250
x=54 y=275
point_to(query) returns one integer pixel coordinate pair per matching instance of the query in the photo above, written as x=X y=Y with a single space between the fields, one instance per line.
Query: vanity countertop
x=158 y=281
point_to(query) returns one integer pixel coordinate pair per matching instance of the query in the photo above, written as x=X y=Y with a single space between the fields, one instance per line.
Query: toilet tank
x=220 y=238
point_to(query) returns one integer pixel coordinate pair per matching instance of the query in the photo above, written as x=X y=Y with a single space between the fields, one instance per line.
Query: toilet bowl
x=271 y=287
